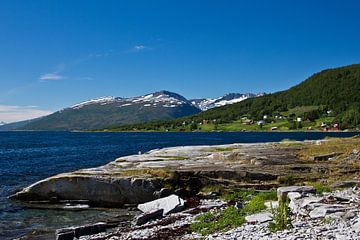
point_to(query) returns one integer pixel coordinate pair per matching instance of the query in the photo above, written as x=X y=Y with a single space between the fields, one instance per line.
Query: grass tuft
x=231 y=217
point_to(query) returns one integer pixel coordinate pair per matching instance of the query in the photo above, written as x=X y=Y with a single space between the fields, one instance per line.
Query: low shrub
x=281 y=216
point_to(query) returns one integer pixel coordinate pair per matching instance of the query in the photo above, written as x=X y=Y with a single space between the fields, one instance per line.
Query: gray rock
x=293 y=196
x=169 y=205
x=90 y=229
x=102 y=191
x=283 y=191
x=305 y=202
x=76 y=232
x=65 y=234
x=350 y=215
x=319 y=212
x=324 y=210
x=145 y=217
x=259 y=218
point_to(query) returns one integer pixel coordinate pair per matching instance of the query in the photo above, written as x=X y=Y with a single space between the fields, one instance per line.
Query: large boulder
x=169 y=204
x=98 y=190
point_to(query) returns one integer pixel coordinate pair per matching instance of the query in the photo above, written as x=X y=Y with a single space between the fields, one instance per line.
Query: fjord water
x=26 y=157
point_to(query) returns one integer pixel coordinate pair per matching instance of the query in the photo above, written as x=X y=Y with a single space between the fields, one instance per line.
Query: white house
x=261 y=122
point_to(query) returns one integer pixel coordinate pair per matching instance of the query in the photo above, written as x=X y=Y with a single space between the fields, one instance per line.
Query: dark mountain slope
x=109 y=111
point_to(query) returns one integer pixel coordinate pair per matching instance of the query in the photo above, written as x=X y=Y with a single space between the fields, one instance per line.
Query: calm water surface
x=26 y=157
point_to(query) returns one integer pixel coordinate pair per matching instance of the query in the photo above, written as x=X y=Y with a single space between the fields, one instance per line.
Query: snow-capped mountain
x=231 y=98
x=2 y=123
x=114 y=111
x=157 y=99
x=168 y=99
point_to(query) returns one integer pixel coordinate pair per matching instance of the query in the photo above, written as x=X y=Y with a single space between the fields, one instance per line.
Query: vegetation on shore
x=232 y=217
x=327 y=100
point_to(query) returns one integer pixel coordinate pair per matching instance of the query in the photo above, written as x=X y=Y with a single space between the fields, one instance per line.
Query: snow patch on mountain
x=101 y=100
x=157 y=99
x=231 y=98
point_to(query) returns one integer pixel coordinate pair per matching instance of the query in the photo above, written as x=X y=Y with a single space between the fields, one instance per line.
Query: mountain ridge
x=110 y=111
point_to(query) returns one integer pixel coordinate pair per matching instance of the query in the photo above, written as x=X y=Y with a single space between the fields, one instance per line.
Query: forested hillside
x=332 y=92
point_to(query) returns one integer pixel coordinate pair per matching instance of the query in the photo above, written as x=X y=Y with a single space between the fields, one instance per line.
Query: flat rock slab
x=146 y=217
x=76 y=232
x=325 y=210
x=283 y=191
x=169 y=204
x=259 y=218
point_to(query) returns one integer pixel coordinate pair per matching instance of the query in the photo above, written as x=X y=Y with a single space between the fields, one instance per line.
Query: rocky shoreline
x=341 y=221
x=187 y=171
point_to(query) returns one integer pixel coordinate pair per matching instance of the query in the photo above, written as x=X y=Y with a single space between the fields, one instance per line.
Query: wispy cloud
x=140 y=47
x=12 y=113
x=50 y=77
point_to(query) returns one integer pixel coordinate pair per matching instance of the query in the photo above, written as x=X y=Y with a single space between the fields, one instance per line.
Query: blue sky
x=56 y=53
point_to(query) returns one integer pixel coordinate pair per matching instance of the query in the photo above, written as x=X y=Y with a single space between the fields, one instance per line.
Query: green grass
x=286 y=180
x=173 y=157
x=320 y=188
x=257 y=203
x=238 y=195
x=300 y=110
x=153 y=172
x=221 y=149
x=218 y=221
x=231 y=217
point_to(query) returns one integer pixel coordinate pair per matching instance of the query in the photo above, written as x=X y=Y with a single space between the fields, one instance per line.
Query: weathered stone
x=90 y=229
x=99 y=191
x=305 y=202
x=76 y=232
x=319 y=212
x=283 y=191
x=323 y=157
x=294 y=195
x=350 y=215
x=147 y=216
x=325 y=209
x=259 y=218
x=169 y=205
x=65 y=234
